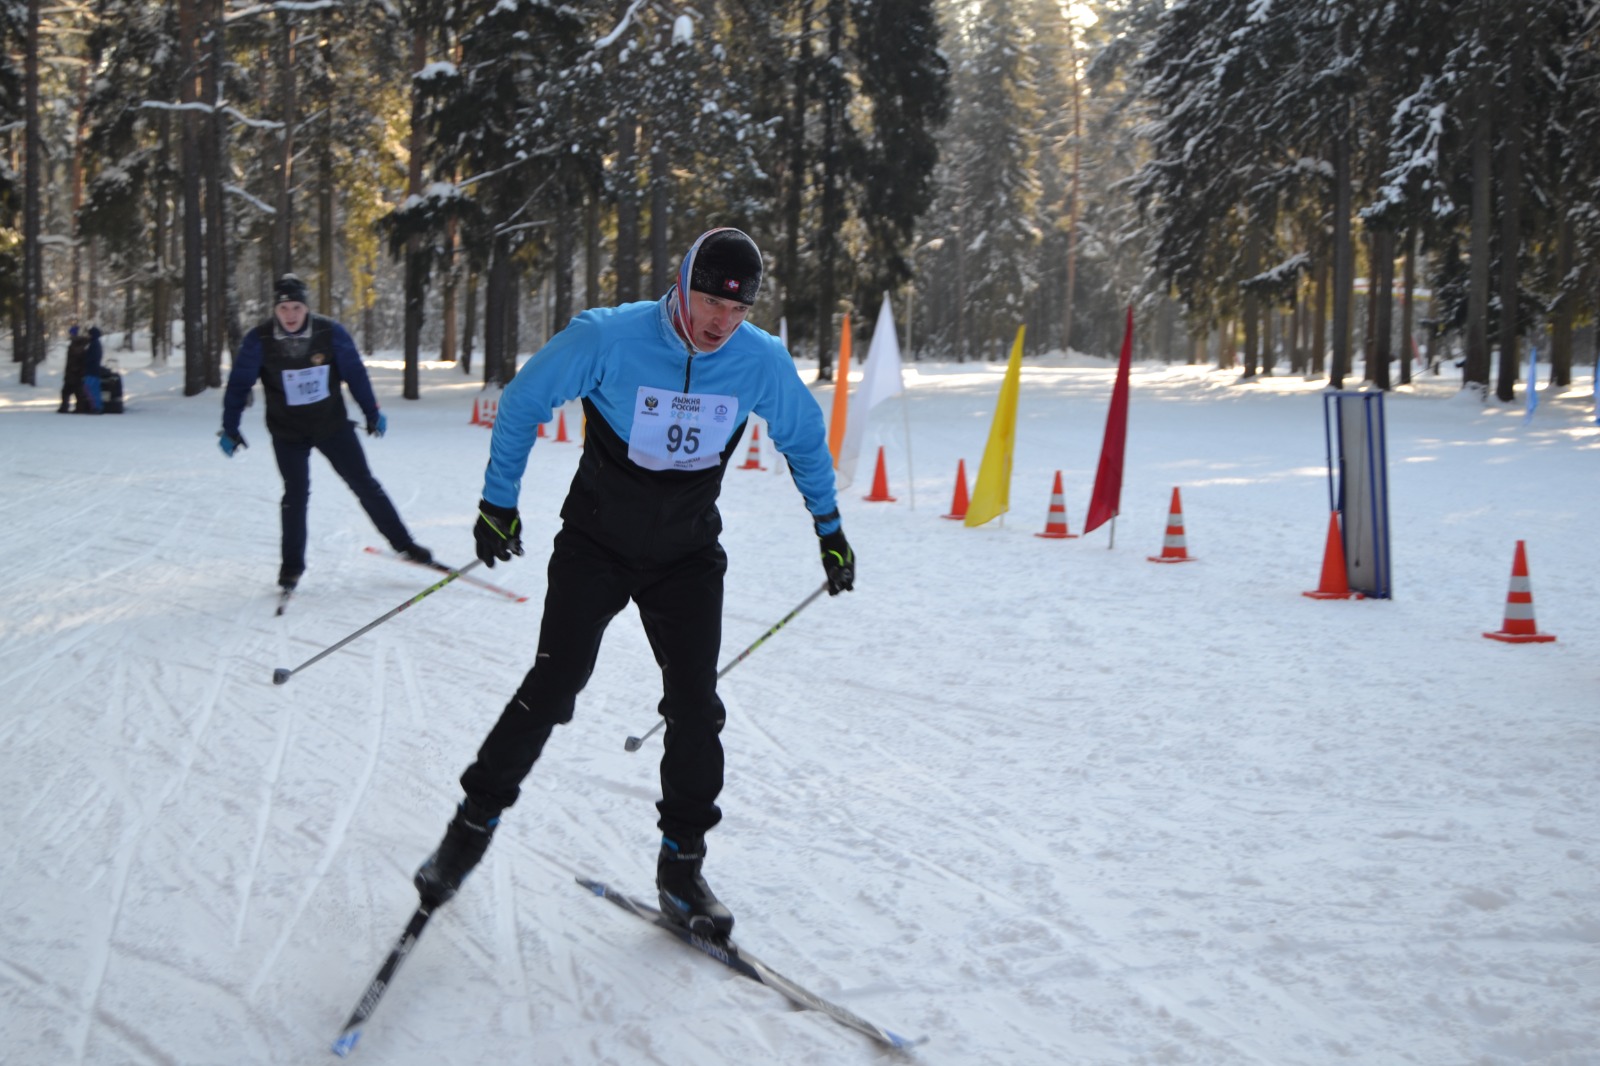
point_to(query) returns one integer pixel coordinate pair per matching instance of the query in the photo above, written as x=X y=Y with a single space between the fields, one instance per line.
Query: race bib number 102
x=305 y=386
x=679 y=430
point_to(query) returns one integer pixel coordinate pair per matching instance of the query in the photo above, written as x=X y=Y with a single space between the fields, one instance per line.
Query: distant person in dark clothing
x=301 y=359
x=93 y=365
x=72 y=373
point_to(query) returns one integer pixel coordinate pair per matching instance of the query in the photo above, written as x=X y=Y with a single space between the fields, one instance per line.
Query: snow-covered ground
x=1039 y=800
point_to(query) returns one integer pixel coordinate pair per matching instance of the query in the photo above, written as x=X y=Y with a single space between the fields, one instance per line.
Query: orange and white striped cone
x=880 y=483
x=1519 y=627
x=561 y=428
x=1055 y=523
x=1174 y=549
x=752 y=460
x=1335 y=583
x=958 y=502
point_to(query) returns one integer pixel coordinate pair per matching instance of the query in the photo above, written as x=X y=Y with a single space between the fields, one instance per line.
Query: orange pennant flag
x=841 y=393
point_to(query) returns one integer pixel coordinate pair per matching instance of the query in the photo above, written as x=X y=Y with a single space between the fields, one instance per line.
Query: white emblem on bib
x=680 y=430
x=305 y=386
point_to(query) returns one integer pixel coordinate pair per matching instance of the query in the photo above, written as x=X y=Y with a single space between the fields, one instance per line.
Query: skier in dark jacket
x=301 y=359
x=72 y=374
x=667 y=387
x=93 y=364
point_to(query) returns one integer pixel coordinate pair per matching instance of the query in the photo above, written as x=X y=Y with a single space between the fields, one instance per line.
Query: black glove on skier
x=498 y=532
x=838 y=562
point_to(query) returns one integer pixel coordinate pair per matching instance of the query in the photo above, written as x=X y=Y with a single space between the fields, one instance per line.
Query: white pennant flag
x=880 y=379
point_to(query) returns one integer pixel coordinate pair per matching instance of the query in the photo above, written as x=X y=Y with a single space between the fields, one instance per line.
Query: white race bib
x=680 y=431
x=305 y=386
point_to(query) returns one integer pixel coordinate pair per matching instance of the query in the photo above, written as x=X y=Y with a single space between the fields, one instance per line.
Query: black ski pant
x=680 y=604
x=344 y=453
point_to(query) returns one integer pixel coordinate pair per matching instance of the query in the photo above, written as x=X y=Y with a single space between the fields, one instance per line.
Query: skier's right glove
x=230 y=442
x=838 y=562
x=498 y=532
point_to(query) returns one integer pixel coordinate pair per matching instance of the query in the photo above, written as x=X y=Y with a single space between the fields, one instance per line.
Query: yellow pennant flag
x=841 y=393
x=991 y=496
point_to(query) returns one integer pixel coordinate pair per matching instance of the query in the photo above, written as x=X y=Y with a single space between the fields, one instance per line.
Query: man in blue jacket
x=667 y=387
x=301 y=359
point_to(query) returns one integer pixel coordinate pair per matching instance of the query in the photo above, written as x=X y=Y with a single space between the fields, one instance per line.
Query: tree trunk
x=194 y=370
x=566 y=227
x=1072 y=195
x=1475 y=372
x=627 y=262
x=591 y=247
x=1380 y=300
x=1319 y=321
x=1343 y=251
x=1511 y=224
x=469 y=330
x=661 y=273
x=283 y=220
x=795 y=179
x=1407 y=308
x=1561 y=315
x=160 y=295
x=33 y=346
x=827 y=234
x=214 y=159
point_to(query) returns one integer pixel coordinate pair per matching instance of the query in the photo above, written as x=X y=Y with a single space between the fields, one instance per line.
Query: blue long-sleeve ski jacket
x=662 y=423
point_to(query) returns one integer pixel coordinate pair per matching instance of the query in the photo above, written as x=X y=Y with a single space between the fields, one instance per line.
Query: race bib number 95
x=680 y=430
x=305 y=386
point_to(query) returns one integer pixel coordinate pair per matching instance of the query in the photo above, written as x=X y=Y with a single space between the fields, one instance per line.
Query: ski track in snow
x=1038 y=800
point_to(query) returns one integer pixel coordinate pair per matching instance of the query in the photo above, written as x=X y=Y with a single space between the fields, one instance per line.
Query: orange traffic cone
x=491 y=411
x=752 y=459
x=1055 y=523
x=561 y=428
x=1173 y=548
x=540 y=432
x=1335 y=584
x=1518 y=627
x=880 y=483
x=477 y=410
x=958 y=503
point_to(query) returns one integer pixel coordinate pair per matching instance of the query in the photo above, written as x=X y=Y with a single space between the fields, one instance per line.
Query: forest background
x=1339 y=187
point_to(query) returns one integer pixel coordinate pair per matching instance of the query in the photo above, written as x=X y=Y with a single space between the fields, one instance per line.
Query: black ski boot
x=288 y=579
x=685 y=897
x=466 y=838
x=417 y=553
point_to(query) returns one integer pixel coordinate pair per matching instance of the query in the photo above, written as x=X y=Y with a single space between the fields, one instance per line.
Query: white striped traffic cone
x=1519 y=627
x=1055 y=523
x=1173 y=548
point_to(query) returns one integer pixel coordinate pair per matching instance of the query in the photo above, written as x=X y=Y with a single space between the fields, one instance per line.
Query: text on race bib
x=305 y=386
x=680 y=430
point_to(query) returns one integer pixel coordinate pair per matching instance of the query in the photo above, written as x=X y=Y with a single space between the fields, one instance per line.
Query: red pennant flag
x=1106 y=503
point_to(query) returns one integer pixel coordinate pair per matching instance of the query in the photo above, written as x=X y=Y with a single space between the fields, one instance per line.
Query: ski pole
x=634 y=743
x=283 y=674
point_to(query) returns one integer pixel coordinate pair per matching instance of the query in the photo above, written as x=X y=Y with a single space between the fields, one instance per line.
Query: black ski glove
x=838 y=562
x=498 y=532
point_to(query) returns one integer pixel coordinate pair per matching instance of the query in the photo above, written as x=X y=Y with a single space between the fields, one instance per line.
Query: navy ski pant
x=344 y=453
x=680 y=604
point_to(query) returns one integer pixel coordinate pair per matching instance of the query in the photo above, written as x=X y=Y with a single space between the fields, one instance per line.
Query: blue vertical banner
x=1533 y=383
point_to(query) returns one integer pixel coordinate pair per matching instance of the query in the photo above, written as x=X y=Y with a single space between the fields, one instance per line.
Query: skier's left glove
x=838 y=562
x=498 y=532
x=230 y=442
x=377 y=425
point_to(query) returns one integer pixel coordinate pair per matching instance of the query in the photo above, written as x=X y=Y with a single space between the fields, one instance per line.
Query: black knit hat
x=289 y=289
x=726 y=263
